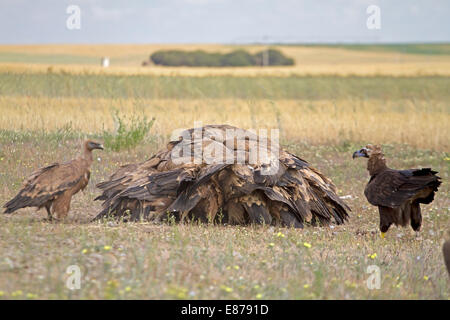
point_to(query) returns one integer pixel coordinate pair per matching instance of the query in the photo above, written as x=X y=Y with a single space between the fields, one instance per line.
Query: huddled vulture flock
x=228 y=184
x=239 y=191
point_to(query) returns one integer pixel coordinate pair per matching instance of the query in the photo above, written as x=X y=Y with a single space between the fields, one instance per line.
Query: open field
x=44 y=115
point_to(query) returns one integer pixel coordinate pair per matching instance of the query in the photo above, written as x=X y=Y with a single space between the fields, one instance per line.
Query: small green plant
x=129 y=132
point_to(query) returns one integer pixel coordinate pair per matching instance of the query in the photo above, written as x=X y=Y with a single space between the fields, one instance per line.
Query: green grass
x=141 y=86
x=408 y=48
x=425 y=49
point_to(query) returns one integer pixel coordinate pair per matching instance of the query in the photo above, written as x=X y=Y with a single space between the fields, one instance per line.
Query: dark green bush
x=274 y=57
x=237 y=58
x=200 y=58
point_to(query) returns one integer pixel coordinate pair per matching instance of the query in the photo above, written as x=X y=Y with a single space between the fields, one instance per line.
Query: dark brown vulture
x=223 y=182
x=397 y=193
x=52 y=187
x=446 y=251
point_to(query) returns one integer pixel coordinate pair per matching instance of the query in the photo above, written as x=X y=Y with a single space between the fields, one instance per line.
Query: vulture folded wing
x=193 y=191
x=116 y=182
x=145 y=191
x=392 y=188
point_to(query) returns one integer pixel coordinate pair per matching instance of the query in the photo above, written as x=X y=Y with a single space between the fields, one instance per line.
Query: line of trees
x=237 y=58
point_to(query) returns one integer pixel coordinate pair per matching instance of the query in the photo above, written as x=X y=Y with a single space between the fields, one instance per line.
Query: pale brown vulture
x=223 y=182
x=52 y=187
x=397 y=193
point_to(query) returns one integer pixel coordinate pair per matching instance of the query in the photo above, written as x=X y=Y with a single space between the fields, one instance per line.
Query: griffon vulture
x=397 y=193
x=212 y=174
x=52 y=187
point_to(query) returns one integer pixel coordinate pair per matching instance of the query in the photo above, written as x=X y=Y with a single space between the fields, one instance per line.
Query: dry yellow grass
x=422 y=68
x=422 y=124
x=126 y=59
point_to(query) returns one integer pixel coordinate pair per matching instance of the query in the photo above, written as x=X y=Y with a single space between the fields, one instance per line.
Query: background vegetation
x=236 y=58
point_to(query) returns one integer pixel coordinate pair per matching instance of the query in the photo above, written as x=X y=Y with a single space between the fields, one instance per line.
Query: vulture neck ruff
x=87 y=154
x=376 y=163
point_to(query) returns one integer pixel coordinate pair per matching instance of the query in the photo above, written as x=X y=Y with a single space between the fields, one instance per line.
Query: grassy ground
x=44 y=115
x=201 y=262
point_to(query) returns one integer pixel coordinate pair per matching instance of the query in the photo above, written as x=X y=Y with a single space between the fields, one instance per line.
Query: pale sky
x=223 y=21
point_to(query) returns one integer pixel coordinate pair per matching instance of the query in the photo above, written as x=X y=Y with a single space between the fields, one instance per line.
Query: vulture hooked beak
x=360 y=153
x=94 y=145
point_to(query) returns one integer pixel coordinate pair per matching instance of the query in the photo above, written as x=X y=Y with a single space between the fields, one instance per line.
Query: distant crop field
x=332 y=102
x=377 y=109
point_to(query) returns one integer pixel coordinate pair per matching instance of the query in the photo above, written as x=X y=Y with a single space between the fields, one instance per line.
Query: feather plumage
x=227 y=191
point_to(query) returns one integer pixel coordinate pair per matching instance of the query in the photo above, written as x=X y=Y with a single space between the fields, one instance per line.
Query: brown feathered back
x=233 y=192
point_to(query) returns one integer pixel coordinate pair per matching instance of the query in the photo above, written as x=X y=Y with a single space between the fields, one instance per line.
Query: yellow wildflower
x=17 y=293
x=226 y=289
x=372 y=256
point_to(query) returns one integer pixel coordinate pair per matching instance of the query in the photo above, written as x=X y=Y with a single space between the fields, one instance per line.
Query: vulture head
x=376 y=162
x=367 y=151
x=90 y=145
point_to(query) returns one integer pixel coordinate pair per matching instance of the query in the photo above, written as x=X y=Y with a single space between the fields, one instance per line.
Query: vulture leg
x=49 y=214
x=416 y=216
x=61 y=205
x=386 y=218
